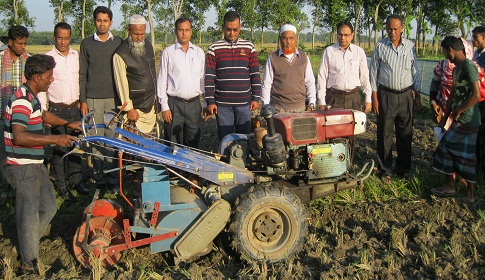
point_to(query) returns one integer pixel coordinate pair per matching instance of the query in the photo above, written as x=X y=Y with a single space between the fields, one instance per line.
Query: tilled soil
x=420 y=238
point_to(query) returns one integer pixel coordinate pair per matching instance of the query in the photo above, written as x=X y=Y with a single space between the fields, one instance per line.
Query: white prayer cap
x=288 y=27
x=137 y=19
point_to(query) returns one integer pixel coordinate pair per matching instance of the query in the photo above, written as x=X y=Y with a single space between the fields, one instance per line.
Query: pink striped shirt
x=65 y=87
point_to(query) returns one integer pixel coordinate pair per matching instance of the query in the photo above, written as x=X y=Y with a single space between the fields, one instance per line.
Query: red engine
x=318 y=126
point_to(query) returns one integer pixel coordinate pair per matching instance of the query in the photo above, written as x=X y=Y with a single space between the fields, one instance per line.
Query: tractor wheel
x=268 y=223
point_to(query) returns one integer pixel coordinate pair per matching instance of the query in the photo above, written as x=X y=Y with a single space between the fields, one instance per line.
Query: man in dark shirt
x=96 y=85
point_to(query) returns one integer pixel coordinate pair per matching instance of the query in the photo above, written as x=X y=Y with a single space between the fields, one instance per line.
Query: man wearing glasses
x=289 y=84
x=62 y=100
x=343 y=73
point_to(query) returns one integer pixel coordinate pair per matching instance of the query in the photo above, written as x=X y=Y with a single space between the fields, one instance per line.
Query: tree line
x=433 y=17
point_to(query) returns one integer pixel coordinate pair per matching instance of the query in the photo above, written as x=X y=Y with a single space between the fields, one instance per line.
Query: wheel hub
x=268 y=227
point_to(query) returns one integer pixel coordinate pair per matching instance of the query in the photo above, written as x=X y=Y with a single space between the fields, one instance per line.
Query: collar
x=349 y=48
x=280 y=52
x=110 y=36
x=55 y=50
x=179 y=46
x=388 y=42
x=230 y=43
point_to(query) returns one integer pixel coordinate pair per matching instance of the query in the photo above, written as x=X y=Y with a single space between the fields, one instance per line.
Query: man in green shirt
x=455 y=153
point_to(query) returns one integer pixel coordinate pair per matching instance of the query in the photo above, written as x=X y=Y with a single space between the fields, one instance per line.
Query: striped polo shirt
x=23 y=109
x=394 y=67
x=232 y=73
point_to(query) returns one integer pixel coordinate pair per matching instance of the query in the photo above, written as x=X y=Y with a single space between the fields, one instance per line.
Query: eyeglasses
x=344 y=35
x=63 y=39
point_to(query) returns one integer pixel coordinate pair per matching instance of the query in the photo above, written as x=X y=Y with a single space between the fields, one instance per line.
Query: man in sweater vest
x=232 y=80
x=96 y=86
x=289 y=84
x=135 y=76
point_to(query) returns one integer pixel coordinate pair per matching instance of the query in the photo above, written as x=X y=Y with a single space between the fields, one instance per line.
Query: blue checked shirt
x=394 y=67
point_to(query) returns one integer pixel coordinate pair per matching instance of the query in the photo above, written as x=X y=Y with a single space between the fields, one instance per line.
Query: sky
x=44 y=14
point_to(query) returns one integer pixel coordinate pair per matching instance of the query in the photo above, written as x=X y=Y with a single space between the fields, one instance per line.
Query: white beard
x=136 y=48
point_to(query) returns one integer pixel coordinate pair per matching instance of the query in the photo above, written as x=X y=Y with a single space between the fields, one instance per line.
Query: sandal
x=386 y=179
x=442 y=193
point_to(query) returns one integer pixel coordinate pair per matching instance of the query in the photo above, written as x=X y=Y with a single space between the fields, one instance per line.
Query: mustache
x=136 y=48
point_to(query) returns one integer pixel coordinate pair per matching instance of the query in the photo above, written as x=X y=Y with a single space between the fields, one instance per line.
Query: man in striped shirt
x=35 y=203
x=232 y=80
x=395 y=81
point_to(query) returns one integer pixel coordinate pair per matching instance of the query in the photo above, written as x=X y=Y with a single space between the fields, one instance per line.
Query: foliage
x=15 y=13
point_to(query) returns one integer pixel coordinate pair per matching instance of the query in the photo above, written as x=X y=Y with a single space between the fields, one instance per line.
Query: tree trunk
x=262 y=36
x=313 y=37
x=252 y=34
x=357 y=19
x=150 y=21
x=84 y=19
x=177 y=9
x=60 y=15
x=15 y=12
x=376 y=16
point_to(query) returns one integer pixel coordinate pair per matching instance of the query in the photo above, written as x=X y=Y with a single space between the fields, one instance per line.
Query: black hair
x=479 y=30
x=345 y=23
x=62 y=25
x=104 y=10
x=453 y=43
x=394 y=16
x=38 y=64
x=17 y=32
x=181 y=20
x=231 y=16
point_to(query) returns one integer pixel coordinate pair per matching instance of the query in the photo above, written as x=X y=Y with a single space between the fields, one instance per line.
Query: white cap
x=137 y=19
x=288 y=27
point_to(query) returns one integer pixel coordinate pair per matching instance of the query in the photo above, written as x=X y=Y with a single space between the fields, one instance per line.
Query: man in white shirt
x=179 y=87
x=289 y=84
x=63 y=101
x=343 y=73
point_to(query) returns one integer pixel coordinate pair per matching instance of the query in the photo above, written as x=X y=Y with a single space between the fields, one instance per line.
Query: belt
x=63 y=105
x=338 y=91
x=395 y=91
x=185 y=100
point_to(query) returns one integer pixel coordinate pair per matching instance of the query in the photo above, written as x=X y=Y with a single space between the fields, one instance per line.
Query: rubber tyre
x=268 y=224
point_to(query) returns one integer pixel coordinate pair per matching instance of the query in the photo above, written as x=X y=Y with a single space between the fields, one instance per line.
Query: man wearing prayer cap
x=135 y=76
x=289 y=84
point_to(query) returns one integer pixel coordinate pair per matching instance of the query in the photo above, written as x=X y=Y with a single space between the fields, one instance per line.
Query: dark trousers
x=395 y=112
x=66 y=171
x=233 y=119
x=3 y=155
x=343 y=100
x=186 y=121
x=481 y=140
x=35 y=206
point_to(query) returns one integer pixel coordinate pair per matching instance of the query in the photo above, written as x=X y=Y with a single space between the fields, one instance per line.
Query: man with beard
x=289 y=84
x=97 y=90
x=343 y=73
x=180 y=85
x=135 y=76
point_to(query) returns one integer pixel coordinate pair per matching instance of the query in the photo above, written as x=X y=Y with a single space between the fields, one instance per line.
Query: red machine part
x=314 y=126
x=103 y=232
x=106 y=208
